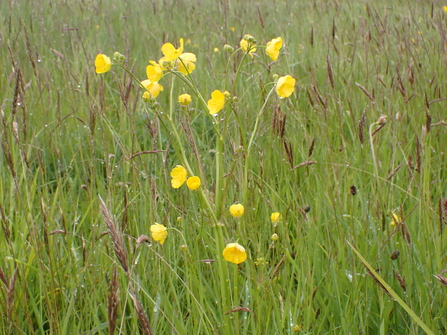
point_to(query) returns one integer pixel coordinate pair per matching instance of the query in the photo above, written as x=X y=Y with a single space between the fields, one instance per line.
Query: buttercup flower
x=193 y=183
x=273 y=47
x=237 y=210
x=395 y=220
x=102 y=63
x=153 y=88
x=275 y=217
x=170 y=52
x=186 y=63
x=234 y=253
x=285 y=86
x=159 y=232
x=184 y=99
x=217 y=102
x=178 y=175
x=445 y=9
x=154 y=71
x=247 y=44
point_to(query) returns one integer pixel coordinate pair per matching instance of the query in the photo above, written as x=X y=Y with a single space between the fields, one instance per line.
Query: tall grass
x=75 y=264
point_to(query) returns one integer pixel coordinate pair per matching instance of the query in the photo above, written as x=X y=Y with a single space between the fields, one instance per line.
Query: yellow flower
x=247 y=44
x=395 y=220
x=193 y=183
x=159 y=232
x=275 y=217
x=178 y=175
x=154 y=72
x=184 y=99
x=186 y=63
x=153 y=88
x=445 y=9
x=102 y=63
x=285 y=86
x=216 y=50
x=275 y=237
x=273 y=47
x=234 y=253
x=217 y=102
x=237 y=210
x=170 y=52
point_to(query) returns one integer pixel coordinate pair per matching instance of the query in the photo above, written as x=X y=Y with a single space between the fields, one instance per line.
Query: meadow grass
x=86 y=169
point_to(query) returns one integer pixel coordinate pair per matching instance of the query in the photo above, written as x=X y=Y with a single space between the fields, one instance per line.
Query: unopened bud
x=275 y=76
x=228 y=48
x=118 y=58
x=275 y=237
x=249 y=38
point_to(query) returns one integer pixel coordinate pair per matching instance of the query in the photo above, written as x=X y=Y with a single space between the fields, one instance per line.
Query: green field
x=354 y=160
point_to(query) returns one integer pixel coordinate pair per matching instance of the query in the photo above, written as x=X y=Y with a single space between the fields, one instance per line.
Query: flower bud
x=275 y=237
x=228 y=48
x=118 y=58
x=275 y=76
x=249 y=38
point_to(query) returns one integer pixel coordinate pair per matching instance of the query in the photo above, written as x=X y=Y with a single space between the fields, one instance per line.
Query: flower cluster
x=175 y=60
x=179 y=176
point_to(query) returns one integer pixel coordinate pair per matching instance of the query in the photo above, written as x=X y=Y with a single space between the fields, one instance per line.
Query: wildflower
x=234 y=253
x=154 y=88
x=445 y=9
x=103 y=63
x=193 y=183
x=275 y=237
x=248 y=44
x=275 y=217
x=217 y=102
x=285 y=86
x=395 y=220
x=159 y=232
x=216 y=50
x=154 y=71
x=178 y=175
x=170 y=52
x=186 y=64
x=184 y=99
x=237 y=210
x=273 y=47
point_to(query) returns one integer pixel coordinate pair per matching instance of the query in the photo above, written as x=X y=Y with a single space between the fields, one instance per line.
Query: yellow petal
x=159 y=232
x=285 y=86
x=154 y=72
x=234 y=253
x=102 y=63
x=170 y=52
x=193 y=183
x=237 y=210
x=273 y=47
x=217 y=102
x=178 y=175
x=184 y=99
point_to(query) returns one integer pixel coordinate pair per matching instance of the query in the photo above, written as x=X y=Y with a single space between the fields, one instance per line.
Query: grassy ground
x=71 y=137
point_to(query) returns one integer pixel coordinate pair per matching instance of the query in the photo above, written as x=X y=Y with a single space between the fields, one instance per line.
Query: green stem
x=376 y=169
x=250 y=143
